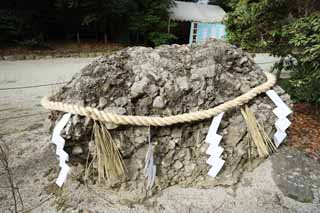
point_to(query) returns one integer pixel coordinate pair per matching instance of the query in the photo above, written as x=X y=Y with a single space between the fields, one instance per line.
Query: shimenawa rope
x=103 y=116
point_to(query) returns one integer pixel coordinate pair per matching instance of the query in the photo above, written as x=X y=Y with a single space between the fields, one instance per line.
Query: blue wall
x=206 y=31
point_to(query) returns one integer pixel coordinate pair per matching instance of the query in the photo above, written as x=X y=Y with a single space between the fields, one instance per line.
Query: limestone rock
x=177 y=165
x=169 y=80
x=77 y=150
x=158 y=102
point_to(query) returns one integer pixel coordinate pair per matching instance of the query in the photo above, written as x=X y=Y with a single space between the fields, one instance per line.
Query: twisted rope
x=103 y=116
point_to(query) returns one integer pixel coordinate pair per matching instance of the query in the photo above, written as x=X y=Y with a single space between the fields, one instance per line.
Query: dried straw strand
x=258 y=135
x=268 y=141
x=110 y=164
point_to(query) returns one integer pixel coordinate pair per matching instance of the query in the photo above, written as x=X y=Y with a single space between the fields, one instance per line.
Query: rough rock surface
x=169 y=80
x=296 y=175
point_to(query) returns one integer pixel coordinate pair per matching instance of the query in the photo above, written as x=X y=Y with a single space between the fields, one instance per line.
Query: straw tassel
x=110 y=164
x=258 y=135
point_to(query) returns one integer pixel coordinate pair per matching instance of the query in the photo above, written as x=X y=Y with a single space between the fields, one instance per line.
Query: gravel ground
x=275 y=186
x=21 y=102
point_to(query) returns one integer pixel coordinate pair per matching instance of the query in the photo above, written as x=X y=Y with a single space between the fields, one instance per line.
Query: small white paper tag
x=215 y=139
x=275 y=97
x=62 y=155
x=282 y=111
x=150 y=168
x=212 y=160
x=62 y=175
x=278 y=137
x=212 y=135
x=216 y=167
x=283 y=123
x=214 y=151
x=63 y=158
x=61 y=124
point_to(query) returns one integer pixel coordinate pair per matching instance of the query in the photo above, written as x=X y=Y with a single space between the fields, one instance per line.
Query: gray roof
x=189 y=11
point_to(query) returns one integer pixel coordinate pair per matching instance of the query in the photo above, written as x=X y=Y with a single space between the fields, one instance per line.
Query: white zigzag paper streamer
x=62 y=155
x=150 y=168
x=282 y=111
x=214 y=149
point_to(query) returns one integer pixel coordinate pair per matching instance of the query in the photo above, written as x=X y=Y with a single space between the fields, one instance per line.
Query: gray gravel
x=26 y=101
x=256 y=192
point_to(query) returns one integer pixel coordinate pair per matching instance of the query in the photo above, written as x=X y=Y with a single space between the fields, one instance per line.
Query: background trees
x=280 y=27
x=130 y=21
x=21 y=21
x=283 y=28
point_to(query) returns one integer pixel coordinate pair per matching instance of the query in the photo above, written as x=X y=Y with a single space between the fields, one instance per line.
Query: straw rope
x=103 y=116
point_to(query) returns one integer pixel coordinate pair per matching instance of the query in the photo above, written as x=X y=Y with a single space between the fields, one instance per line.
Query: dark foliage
x=283 y=28
x=131 y=21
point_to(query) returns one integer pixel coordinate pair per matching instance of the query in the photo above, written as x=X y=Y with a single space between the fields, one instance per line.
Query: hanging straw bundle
x=110 y=164
x=259 y=137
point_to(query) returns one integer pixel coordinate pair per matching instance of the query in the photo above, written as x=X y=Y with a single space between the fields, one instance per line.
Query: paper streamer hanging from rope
x=214 y=149
x=150 y=168
x=62 y=155
x=282 y=111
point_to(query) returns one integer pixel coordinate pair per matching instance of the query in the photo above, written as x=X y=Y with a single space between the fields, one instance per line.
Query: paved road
x=265 y=61
x=26 y=101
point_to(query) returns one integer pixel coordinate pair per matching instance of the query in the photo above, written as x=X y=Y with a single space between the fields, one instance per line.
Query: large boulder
x=169 y=80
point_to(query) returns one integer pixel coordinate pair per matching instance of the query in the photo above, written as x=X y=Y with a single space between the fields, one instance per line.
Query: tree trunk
x=96 y=31
x=105 y=38
x=78 y=37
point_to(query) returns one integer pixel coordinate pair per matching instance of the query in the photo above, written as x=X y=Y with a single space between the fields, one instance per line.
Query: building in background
x=199 y=21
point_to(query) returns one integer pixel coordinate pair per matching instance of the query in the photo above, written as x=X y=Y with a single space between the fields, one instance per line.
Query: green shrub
x=158 y=38
x=283 y=28
x=304 y=36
